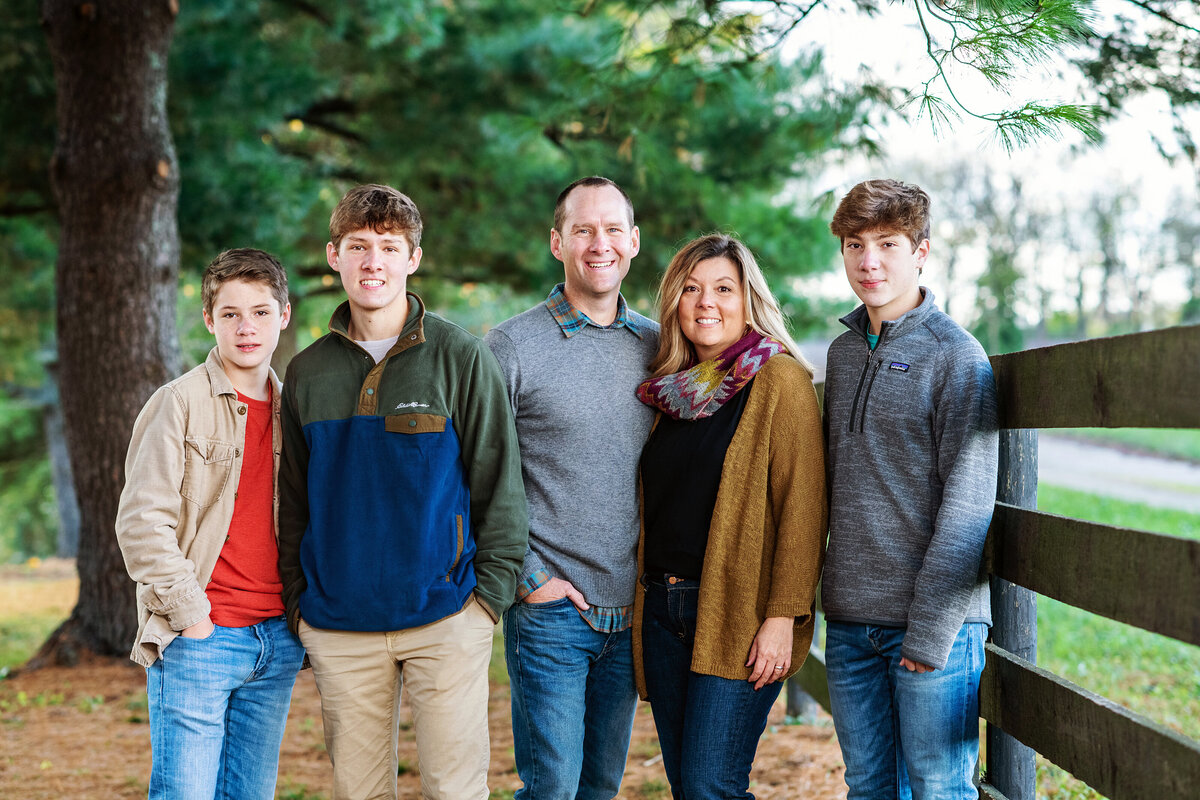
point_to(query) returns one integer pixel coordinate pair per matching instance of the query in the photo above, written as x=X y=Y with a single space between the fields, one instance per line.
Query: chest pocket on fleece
x=415 y=423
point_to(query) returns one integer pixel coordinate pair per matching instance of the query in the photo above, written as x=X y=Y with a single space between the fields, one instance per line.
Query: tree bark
x=116 y=180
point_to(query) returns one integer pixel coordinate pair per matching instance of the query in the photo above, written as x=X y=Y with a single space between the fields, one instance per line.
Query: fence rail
x=1115 y=751
x=1143 y=380
x=1151 y=581
x=1134 y=577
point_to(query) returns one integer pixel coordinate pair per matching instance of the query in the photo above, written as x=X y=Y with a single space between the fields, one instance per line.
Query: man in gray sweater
x=910 y=415
x=572 y=365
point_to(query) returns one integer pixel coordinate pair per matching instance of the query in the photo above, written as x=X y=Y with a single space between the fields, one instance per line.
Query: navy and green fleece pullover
x=400 y=482
x=912 y=444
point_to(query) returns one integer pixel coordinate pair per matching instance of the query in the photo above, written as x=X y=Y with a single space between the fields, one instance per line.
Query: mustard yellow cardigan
x=767 y=538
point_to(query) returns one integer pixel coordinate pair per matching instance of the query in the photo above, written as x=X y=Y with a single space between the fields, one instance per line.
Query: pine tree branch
x=993 y=38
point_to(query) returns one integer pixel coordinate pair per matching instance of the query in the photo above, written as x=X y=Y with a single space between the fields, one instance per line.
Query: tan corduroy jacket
x=767 y=538
x=181 y=476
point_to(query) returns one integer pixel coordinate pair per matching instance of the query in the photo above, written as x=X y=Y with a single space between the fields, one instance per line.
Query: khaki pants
x=444 y=665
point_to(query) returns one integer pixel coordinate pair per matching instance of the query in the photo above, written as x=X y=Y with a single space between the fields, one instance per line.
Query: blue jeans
x=708 y=727
x=904 y=734
x=572 y=702
x=217 y=712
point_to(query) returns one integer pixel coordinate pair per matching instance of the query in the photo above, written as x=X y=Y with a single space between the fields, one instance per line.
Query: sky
x=1061 y=174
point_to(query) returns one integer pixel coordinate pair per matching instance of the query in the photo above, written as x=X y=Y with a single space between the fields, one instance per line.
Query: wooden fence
x=1151 y=581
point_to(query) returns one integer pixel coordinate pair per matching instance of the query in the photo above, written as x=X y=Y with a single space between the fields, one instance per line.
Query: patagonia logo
x=899 y=366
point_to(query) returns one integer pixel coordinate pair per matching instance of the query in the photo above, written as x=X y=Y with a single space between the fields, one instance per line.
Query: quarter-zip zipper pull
x=862 y=414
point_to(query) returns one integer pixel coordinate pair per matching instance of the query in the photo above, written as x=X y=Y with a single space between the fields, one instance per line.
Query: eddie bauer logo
x=411 y=405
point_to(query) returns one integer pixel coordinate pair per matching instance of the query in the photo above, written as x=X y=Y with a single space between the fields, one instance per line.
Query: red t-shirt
x=245 y=587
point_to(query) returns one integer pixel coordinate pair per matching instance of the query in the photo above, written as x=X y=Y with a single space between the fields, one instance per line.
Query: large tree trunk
x=117 y=183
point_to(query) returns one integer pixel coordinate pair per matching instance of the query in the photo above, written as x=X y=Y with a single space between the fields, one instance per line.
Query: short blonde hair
x=675 y=352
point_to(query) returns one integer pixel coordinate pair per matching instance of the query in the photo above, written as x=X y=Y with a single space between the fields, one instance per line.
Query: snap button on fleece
x=413 y=337
x=242 y=410
x=370 y=391
x=412 y=423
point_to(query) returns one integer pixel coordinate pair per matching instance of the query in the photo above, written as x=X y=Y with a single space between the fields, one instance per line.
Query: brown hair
x=560 y=205
x=883 y=204
x=763 y=314
x=380 y=208
x=245 y=264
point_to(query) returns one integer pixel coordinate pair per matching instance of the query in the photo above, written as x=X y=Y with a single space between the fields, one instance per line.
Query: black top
x=681 y=471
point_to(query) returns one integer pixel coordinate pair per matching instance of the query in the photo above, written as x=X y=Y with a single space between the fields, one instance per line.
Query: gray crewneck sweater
x=912 y=446
x=581 y=429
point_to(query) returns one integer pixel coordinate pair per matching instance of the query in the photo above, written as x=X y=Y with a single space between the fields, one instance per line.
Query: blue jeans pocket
x=189 y=643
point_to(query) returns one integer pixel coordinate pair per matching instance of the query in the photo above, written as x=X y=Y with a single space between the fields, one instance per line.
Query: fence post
x=802 y=706
x=1010 y=764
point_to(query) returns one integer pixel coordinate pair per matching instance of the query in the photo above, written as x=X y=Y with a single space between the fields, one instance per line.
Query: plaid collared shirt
x=604 y=619
x=572 y=320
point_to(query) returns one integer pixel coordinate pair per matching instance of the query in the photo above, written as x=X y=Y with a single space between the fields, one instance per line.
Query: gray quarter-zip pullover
x=912 y=457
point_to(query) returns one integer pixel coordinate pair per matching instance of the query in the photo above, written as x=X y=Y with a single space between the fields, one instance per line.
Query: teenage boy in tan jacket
x=196 y=525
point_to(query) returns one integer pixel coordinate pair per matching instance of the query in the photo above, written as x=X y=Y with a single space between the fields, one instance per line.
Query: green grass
x=1153 y=675
x=653 y=789
x=1148 y=673
x=1175 y=442
x=290 y=791
x=21 y=636
x=1123 y=514
x=497 y=671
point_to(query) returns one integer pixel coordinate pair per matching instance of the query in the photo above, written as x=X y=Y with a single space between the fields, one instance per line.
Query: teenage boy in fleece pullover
x=910 y=415
x=402 y=520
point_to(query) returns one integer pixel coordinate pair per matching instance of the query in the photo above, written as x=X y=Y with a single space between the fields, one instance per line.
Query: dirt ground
x=82 y=733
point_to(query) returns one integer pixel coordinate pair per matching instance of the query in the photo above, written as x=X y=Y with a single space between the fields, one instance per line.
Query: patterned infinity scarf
x=700 y=391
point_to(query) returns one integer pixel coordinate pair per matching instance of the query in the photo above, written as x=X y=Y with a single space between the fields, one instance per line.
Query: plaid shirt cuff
x=531 y=584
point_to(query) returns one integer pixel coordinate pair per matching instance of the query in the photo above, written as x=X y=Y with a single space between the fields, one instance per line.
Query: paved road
x=1107 y=471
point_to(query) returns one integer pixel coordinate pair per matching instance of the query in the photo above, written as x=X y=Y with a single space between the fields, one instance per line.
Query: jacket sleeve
x=499 y=517
x=293 y=500
x=797 y=496
x=149 y=510
x=533 y=570
x=967 y=441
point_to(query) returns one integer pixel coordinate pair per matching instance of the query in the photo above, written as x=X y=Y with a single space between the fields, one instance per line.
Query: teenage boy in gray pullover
x=910 y=416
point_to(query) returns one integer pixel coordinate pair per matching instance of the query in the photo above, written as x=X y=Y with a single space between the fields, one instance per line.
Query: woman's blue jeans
x=904 y=735
x=218 y=707
x=708 y=727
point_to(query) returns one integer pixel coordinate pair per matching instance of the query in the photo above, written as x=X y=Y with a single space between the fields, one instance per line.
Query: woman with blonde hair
x=733 y=517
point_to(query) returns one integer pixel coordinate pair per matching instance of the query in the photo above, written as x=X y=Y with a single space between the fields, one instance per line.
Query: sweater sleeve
x=499 y=517
x=967 y=443
x=293 y=498
x=797 y=497
x=533 y=570
x=149 y=510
